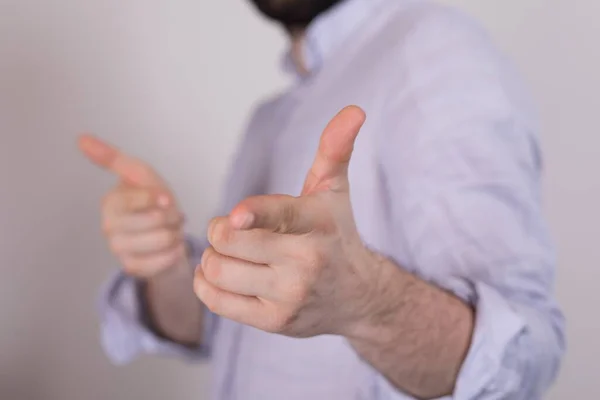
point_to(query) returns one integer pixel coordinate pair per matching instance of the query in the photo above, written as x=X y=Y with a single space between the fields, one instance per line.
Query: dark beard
x=294 y=13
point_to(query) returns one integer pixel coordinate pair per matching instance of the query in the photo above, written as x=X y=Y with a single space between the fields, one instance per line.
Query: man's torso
x=366 y=70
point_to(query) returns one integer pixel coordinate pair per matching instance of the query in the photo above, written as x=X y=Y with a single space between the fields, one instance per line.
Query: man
x=414 y=261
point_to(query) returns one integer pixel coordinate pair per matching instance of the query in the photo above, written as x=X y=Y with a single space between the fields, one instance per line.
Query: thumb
x=330 y=167
x=127 y=168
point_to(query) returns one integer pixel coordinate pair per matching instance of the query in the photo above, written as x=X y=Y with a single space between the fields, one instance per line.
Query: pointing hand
x=140 y=218
x=294 y=265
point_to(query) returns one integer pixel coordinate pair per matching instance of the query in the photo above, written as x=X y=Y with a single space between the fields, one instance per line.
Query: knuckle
x=107 y=227
x=157 y=219
x=288 y=218
x=173 y=218
x=162 y=218
x=280 y=322
x=211 y=267
x=219 y=234
x=112 y=225
x=313 y=261
x=212 y=300
x=298 y=292
x=153 y=219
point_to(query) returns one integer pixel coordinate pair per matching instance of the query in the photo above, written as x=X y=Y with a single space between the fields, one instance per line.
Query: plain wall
x=173 y=82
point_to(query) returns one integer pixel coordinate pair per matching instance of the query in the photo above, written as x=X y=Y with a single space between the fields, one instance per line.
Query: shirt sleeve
x=124 y=334
x=462 y=167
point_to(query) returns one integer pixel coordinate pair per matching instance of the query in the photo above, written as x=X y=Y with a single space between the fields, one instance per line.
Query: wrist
x=158 y=294
x=376 y=321
x=180 y=269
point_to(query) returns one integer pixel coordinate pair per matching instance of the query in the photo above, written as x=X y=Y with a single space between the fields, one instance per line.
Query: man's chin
x=293 y=13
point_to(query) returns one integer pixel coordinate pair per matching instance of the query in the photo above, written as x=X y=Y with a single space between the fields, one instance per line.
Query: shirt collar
x=328 y=31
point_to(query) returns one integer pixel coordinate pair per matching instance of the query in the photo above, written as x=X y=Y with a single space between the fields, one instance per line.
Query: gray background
x=168 y=80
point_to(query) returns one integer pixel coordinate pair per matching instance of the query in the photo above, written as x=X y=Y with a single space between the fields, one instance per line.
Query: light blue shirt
x=445 y=180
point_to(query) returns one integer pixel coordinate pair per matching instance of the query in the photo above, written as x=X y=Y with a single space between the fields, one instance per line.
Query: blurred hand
x=140 y=218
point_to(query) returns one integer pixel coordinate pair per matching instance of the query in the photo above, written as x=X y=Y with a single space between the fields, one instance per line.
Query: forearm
x=417 y=335
x=173 y=309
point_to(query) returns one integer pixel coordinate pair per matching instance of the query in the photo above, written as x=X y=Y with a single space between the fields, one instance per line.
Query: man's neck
x=298 y=36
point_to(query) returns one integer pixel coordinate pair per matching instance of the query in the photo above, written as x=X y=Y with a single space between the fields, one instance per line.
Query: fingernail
x=242 y=221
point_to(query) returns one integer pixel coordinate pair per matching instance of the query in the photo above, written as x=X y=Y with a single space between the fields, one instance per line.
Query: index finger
x=109 y=157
